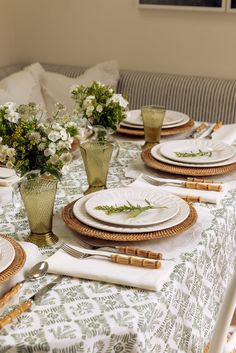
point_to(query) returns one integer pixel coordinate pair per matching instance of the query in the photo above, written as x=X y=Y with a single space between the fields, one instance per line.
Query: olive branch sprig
x=133 y=210
x=199 y=153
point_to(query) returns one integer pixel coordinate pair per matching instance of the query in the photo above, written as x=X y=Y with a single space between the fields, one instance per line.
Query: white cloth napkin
x=104 y=270
x=135 y=169
x=227 y=134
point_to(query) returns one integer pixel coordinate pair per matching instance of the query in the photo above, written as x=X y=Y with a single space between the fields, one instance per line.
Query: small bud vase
x=38 y=194
x=96 y=153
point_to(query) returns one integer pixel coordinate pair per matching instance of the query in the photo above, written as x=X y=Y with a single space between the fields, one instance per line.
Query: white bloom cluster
x=10 y=112
x=7 y=153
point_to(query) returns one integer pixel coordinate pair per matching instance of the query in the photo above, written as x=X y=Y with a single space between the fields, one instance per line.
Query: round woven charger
x=164 y=132
x=150 y=161
x=84 y=229
x=16 y=264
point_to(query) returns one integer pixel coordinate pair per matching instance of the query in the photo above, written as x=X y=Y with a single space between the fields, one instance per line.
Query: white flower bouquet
x=99 y=105
x=26 y=144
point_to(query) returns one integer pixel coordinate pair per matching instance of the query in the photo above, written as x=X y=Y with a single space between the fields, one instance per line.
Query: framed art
x=231 y=6
x=199 y=5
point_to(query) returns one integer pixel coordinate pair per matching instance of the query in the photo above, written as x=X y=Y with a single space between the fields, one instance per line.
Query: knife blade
x=26 y=305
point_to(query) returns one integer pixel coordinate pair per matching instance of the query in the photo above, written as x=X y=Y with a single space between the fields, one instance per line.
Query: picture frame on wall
x=194 y=5
x=231 y=6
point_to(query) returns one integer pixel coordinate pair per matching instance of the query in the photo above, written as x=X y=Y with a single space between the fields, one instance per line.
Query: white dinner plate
x=6 y=173
x=217 y=151
x=155 y=152
x=7 y=253
x=167 y=207
x=171 y=119
x=82 y=215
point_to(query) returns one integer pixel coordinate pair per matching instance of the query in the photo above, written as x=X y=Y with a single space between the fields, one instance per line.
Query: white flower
x=118 y=98
x=88 y=101
x=56 y=126
x=89 y=111
x=99 y=108
x=47 y=152
x=35 y=137
x=0 y=139
x=11 y=152
x=9 y=164
x=63 y=134
x=54 y=159
x=54 y=135
x=66 y=158
x=41 y=146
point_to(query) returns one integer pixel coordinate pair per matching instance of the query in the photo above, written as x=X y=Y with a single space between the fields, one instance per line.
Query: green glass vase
x=38 y=193
x=96 y=153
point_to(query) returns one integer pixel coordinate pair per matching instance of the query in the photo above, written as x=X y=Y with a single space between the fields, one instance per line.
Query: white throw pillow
x=56 y=87
x=21 y=87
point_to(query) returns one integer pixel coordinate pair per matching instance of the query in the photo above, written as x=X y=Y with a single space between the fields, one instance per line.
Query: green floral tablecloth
x=86 y=316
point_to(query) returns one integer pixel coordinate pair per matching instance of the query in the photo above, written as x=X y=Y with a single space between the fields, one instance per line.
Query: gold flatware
x=205 y=181
x=196 y=132
x=120 y=259
x=185 y=184
x=127 y=250
x=37 y=271
x=26 y=305
x=213 y=128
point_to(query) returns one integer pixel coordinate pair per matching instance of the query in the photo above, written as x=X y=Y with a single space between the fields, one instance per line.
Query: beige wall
x=89 y=31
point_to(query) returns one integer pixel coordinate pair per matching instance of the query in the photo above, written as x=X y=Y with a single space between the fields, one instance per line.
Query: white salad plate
x=82 y=215
x=155 y=152
x=217 y=151
x=171 y=119
x=7 y=253
x=166 y=206
x=6 y=173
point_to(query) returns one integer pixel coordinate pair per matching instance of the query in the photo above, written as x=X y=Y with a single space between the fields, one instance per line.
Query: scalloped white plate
x=6 y=173
x=121 y=196
x=82 y=215
x=155 y=152
x=218 y=151
x=7 y=253
x=171 y=119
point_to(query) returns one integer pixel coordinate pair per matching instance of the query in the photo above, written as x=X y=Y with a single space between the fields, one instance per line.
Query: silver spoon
x=37 y=271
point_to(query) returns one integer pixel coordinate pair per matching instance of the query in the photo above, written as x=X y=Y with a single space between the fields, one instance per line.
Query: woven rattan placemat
x=17 y=263
x=150 y=161
x=164 y=132
x=73 y=223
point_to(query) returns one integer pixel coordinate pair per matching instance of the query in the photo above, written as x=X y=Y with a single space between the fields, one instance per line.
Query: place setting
x=173 y=123
x=193 y=157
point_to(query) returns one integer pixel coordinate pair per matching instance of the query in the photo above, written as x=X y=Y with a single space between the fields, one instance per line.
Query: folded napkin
x=135 y=169
x=104 y=270
x=226 y=133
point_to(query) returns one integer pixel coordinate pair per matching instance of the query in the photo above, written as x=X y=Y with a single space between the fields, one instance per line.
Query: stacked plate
x=166 y=212
x=7 y=177
x=172 y=119
x=195 y=153
x=12 y=257
x=195 y=158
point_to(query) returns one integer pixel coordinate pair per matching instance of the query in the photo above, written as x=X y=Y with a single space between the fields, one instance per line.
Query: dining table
x=84 y=315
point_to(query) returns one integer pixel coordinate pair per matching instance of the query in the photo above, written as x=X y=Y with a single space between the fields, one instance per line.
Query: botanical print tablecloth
x=86 y=316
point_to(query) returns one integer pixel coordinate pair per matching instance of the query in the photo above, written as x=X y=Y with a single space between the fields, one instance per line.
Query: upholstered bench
x=202 y=98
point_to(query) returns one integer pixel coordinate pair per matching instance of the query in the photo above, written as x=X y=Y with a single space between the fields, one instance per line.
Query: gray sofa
x=202 y=98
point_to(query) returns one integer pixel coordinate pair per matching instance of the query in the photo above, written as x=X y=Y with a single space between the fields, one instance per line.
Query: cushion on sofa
x=21 y=88
x=56 y=87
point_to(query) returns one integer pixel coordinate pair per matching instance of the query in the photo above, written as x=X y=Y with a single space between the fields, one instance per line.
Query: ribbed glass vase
x=38 y=194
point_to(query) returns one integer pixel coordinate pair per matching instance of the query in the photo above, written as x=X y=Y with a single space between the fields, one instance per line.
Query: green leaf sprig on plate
x=133 y=210
x=198 y=153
